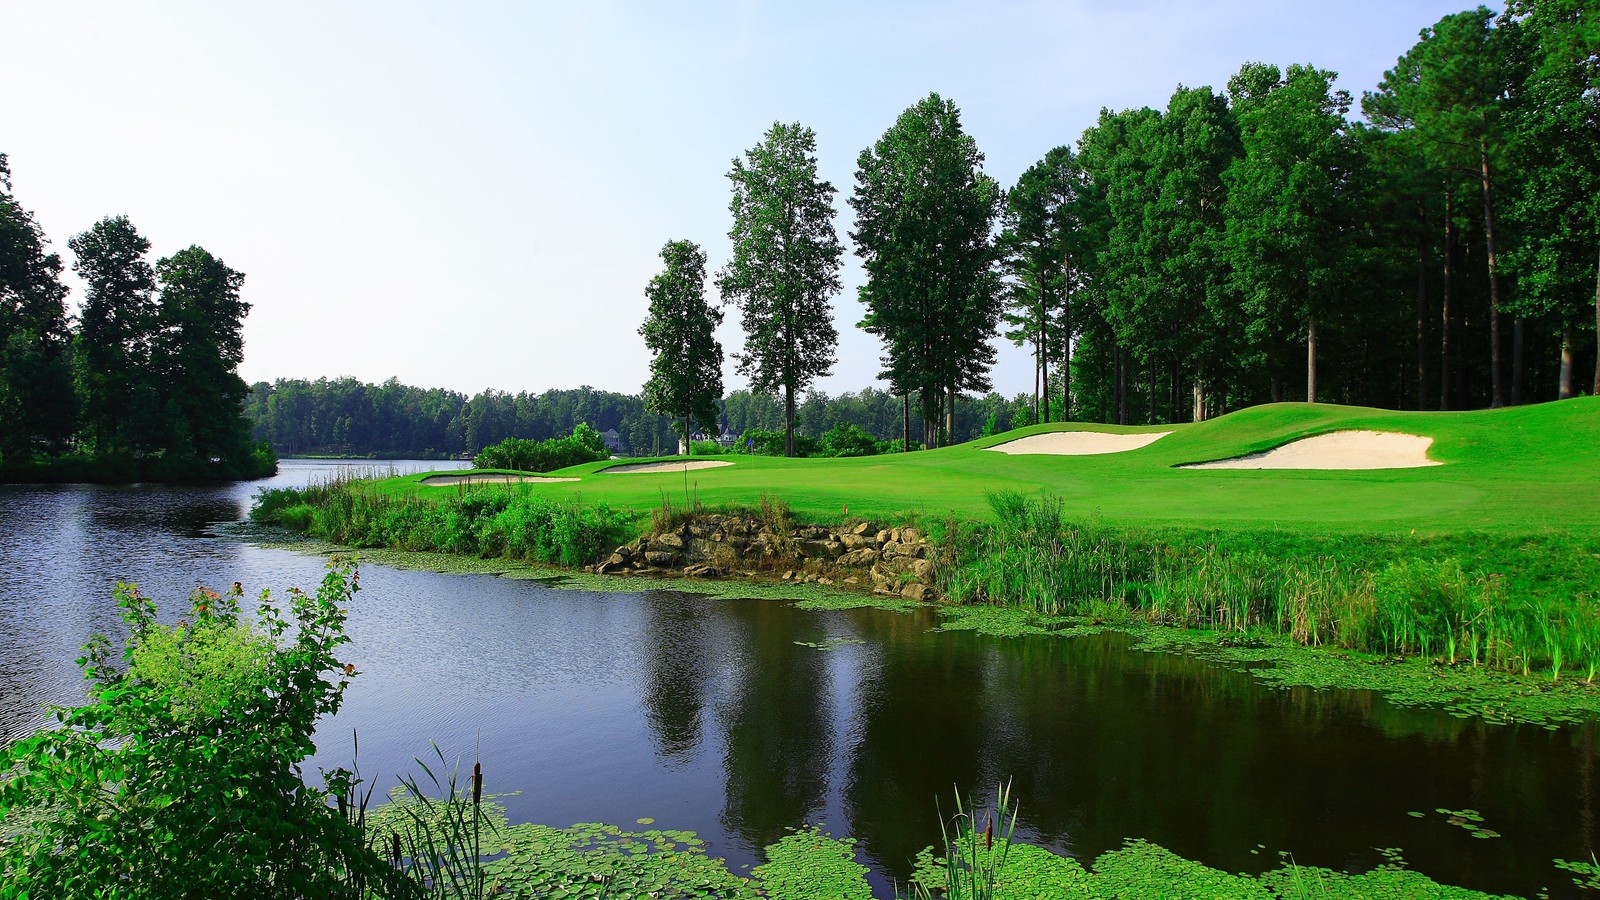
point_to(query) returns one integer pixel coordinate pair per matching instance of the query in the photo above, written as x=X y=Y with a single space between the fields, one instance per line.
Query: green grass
x=1491 y=559
x=1525 y=470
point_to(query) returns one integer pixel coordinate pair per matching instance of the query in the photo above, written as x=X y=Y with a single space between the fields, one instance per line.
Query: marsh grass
x=483 y=521
x=974 y=861
x=1451 y=601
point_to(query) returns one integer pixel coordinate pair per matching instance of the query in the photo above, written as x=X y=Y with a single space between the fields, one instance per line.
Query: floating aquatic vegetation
x=829 y=644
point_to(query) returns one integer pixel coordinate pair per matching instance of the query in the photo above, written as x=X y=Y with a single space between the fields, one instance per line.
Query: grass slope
x=1531 y=468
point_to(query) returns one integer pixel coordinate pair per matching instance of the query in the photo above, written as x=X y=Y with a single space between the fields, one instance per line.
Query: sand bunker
x=1337 y=450
x=493 y=478
x=681 y=465
x=1078 y=443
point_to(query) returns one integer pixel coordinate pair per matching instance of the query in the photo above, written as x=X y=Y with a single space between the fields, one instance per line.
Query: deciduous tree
x=785 y=266
x=924 y=210
x=686 y=367
x=116 y=327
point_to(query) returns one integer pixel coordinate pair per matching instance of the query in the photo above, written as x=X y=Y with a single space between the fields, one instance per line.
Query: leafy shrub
x=180 y=777
x=582 y=446
x=845 y=439
x=761 y=442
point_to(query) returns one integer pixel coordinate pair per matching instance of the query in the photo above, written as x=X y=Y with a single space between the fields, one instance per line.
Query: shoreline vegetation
x=217 y=700
x=1499 y=620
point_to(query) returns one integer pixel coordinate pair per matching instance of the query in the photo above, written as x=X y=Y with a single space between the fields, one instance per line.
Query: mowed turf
x=1530 y=468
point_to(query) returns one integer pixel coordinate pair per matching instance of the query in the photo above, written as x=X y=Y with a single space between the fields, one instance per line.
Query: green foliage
x=1371 y=596
x=518 y=454
x=785 y=265
x=973 y=866
x=686 y=359
x=761 y=442
x=37 y=409
x=924 y=210
x=809 y=864
x=180 y=776
x=486 y=522
x=592 y=861
x=1043 y=252
x=116 y=328
x=845 y=439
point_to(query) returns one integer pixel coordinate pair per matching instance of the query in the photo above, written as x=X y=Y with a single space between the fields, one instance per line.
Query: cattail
x=988 y=835
x=394 y=848
x=477 y=782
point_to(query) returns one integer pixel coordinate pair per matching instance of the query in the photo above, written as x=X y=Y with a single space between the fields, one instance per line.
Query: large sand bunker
x=1337 y=450
x=487 y=478
x=681 y=465
x=1078 y=443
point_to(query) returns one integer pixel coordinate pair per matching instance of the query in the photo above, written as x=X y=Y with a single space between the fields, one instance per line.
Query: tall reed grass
x=484 y=521
x=1378 y=598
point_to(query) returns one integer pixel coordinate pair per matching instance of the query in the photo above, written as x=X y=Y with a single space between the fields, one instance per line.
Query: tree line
x=1236 y=247
x=345 y=416
x=142 y=382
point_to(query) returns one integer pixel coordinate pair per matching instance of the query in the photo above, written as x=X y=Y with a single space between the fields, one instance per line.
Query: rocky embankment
x=899 y=561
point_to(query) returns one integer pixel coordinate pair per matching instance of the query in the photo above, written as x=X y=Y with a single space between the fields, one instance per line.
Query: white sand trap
x=681 y=465
x=1337 y=450
x=493 y=478
x=1078 y=443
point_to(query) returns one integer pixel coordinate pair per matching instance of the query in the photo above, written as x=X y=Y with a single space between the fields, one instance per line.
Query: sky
x=474 y=195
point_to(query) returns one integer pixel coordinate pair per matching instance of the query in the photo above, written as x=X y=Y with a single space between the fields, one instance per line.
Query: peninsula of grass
x=1488 y=560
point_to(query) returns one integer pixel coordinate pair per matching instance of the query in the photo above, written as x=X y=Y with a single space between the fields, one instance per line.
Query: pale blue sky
x=474 y=195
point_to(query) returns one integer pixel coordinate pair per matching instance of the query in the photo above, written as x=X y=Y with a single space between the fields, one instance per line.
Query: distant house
x=724 y=438
x=613 y=440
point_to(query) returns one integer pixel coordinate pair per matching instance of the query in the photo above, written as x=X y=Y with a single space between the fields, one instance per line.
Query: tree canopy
x=784 y=267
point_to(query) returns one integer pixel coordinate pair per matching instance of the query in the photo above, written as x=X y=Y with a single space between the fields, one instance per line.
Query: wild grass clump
x=1359 y=593
x=486 y=522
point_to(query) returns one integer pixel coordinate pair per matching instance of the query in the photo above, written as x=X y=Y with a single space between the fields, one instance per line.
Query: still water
x=711 y=715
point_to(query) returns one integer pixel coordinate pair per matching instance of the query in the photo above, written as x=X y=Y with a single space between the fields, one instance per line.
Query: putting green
x=1527 y=468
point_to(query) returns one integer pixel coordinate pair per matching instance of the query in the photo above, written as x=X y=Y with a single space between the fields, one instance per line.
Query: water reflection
x=708 y=714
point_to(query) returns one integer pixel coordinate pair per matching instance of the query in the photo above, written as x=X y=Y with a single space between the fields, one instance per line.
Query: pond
x=741 y=718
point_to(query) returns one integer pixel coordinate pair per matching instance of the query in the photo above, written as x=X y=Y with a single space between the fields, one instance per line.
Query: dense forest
x=1239 y=246
x=1257 y=243
x=1440 y=249
x=142 y=383
x=345 y=416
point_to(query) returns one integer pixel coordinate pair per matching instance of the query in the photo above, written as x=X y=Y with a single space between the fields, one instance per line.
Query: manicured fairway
x=1529 y=468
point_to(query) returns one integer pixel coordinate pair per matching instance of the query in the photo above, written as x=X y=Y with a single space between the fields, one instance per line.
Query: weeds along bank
x=182 y=776
x=1522 y=603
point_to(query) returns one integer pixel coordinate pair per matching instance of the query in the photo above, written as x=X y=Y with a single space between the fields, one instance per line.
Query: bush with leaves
x=180 y=776
x=844 y=439
x=582 y=446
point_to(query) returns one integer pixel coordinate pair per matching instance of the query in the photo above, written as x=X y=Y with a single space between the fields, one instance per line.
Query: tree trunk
x=1200 y=391
x=1277 y=389
x=1150 y=414
x=788 y=420
x=1043 y=359
x=1066 y=357
x=1422 y=317
x=905 y=422
x=688 y=442
x=1444 y=303
x=1596 y=391
x=1568 y=386
x=1122 y=385
x=1311 y=358
x=950 y=418
x=1036 y=365
x=1516 y=360
x=1496 y=373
